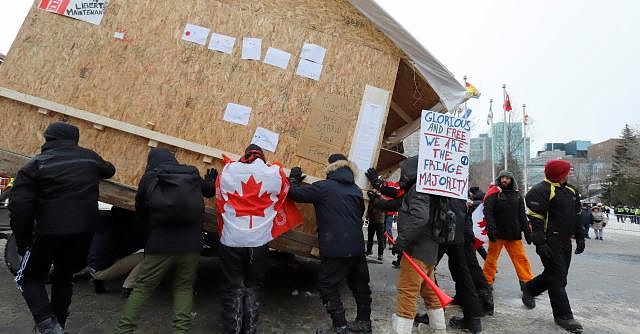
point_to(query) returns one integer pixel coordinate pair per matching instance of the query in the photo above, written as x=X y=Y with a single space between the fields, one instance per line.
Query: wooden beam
x=106 y=122
x=403 y=114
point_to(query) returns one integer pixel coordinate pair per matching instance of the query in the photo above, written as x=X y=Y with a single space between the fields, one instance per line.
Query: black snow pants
x=466 y=292
x=554 y=277
x=356 y=272
x=68 y=254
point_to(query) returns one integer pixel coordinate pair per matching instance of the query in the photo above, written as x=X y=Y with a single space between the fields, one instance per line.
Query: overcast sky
x=575 y=63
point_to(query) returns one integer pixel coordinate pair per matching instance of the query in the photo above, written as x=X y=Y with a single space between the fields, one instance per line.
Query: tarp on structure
x=450 y=91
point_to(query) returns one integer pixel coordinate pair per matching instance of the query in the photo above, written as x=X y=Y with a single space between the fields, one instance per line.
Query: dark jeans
x=377 y=229
x=554 y=277
x=68 y=254
x=356 y=272
x=466 y=291
x=388 y=224
x=243 y=267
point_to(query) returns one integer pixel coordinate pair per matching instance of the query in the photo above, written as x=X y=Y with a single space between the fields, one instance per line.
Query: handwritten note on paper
x=309 y=69
x=367 y=135
x=443 y=155
x=222 y=43
x=195 y=34
x=236 y=113
x=315 y=150
x=251 y=48
x=277 y=58
x=266 y=139
x=313 y=52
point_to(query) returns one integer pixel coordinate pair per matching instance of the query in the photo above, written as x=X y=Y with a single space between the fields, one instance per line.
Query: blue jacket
x=339 y=208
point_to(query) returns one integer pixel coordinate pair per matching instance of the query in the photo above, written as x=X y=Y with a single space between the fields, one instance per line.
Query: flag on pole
x=467 y=113
x=525 y=119
x=472 y=91
x=507 y=102
x=490 y=116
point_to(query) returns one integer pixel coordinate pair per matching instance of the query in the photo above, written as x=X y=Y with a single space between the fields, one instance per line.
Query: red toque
x=556 y=170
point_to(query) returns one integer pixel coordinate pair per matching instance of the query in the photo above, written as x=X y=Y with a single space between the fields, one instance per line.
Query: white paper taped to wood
x=195 y=34
x=313 y=52
x=237 y=113
x=309 y=69
x=277 y=58
x=222 y=43
x=251 y=48
x=367 y=135
x=266 y=139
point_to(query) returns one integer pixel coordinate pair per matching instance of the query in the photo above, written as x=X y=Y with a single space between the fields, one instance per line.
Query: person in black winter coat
x=172 y=245
x=480 y=282
x=554 y=208
x=504 y=211
x=339 y=207
x=586 y=219
x=58 y=189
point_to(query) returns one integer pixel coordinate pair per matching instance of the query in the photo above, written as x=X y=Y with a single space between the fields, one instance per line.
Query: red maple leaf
x=250 y=203
x=483 y=226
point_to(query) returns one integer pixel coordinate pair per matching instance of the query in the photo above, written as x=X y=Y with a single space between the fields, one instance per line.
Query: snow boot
x=334 y=330
x=528 y=299
x=401 y=325
x=360 y=326
x=473 y=325
x=437 y=322
x=232 y=310
x=251 y=310
x=570 y=325
x=422 y=318
x=486 y=299
x=49 y=326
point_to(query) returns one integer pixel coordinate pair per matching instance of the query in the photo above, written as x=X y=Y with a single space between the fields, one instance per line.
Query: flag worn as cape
x=252 y=204
x=479 y=222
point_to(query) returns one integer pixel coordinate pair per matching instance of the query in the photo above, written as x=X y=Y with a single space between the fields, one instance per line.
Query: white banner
x=84 y=10
x=443 y=158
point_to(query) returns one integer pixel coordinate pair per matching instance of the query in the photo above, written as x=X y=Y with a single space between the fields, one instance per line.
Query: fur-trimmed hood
x=343 y=171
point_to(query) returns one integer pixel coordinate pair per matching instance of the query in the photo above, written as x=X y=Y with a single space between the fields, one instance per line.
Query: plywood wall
x=183 y=88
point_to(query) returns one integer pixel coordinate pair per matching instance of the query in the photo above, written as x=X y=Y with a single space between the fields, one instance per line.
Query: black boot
x=251 y=308
x=570 y=325
x=528 y=299
x=334 y=330
x=232 y=311
x=360 y=326
x=49 y=326
x=473 y=325
x=486 y=298
x=421 y=318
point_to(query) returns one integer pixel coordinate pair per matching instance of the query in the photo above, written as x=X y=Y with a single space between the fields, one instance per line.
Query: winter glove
x=374 y=178
x=295 y=176
x=579 y=246
x=372 y=195
x=491 y=234
x=543 y=250
x=211 y=175
x=527 y=236
x=397 y=249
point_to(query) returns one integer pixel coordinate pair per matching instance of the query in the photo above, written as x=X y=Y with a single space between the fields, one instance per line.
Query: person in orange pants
x=504 y=211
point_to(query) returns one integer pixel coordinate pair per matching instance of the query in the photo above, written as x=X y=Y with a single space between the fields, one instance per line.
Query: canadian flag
x=479 y=227
x=252 y=203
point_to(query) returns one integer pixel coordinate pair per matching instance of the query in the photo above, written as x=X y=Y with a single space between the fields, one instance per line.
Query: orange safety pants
x=518 y=256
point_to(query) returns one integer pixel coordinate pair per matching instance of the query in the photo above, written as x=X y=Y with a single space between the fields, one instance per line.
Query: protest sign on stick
x=443 y=156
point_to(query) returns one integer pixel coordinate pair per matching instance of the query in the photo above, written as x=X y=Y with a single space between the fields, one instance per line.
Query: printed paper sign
x=443 y=158
x=222 y=43
x=236 y=113
x=277 y=58
x=84 y=10
x=312 y=52
x=195 y=34
x=266 y=139
x=367 y=135
x=251 y=48
x=309 y=69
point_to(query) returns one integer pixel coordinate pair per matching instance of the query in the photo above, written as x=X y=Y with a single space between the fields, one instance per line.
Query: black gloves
x=491 y=234
x=374 y=178
x=397 y=249
x=372 y=195
x=527 y=236
x=579 y=246
x=211 y=175
x=295 y=175
x=543 y=250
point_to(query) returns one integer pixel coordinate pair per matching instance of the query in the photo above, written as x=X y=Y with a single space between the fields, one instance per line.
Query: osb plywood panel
x=183 y=88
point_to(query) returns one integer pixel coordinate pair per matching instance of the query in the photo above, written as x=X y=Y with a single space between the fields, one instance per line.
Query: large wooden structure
x=152 y=88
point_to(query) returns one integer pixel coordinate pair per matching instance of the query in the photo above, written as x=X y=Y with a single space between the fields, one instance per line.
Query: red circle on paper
x=188 y=33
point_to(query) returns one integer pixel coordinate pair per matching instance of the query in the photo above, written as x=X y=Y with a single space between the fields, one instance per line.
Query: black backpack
x=174 y=197
x=443 y=220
